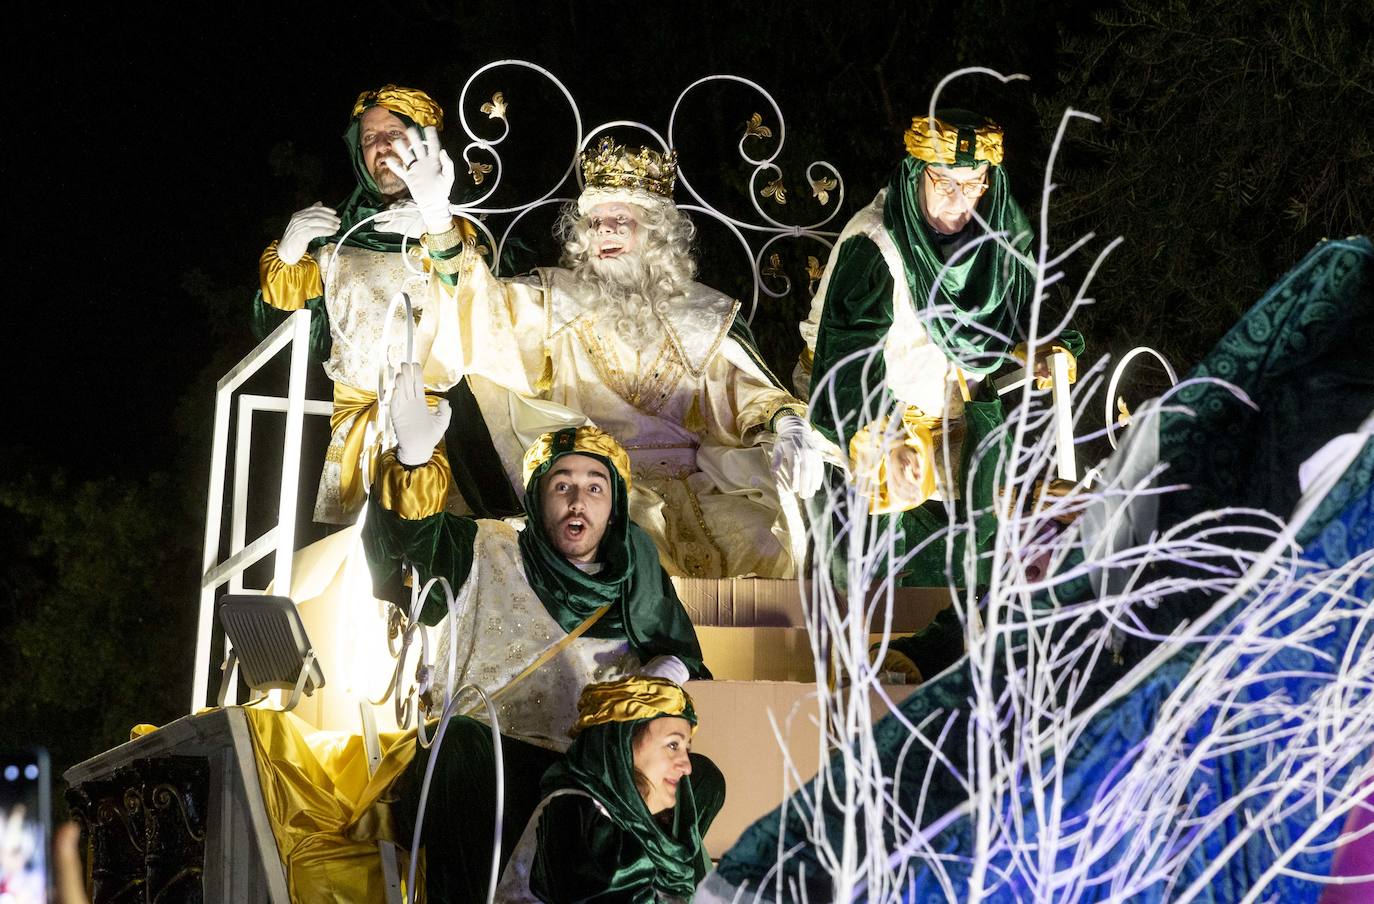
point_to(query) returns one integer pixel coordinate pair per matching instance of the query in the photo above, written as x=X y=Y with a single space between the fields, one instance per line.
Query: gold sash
x=361 y=406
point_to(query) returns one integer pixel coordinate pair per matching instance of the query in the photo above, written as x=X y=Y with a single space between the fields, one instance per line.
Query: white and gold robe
x=690 y=410
x=498 y=629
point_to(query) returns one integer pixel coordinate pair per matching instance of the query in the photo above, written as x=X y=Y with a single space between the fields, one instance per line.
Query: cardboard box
x=768 y=603
x=757 y=654
x=735 y=730
x=742 y=602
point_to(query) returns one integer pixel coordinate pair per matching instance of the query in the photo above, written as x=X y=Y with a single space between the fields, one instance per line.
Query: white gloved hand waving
x=796 y=457
x=315 y=222
x=418 y=427
x=427 y=170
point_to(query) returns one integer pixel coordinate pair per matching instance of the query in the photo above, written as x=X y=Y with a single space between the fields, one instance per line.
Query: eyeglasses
x=946 y=186
x=619 y=225
x=374 y=138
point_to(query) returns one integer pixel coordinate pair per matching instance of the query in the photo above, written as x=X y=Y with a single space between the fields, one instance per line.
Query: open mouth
x=574 y=527
x=610 y=251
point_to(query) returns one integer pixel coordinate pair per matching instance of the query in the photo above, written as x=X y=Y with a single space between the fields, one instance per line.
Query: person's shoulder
x=702 y=297
x=577 y=813
x=494 y=533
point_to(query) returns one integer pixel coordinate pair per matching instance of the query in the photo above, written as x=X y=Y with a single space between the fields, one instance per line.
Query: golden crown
x=613 y=166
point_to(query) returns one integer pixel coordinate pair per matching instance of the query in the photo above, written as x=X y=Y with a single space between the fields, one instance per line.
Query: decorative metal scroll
x=1117 y=415
x=756 y=239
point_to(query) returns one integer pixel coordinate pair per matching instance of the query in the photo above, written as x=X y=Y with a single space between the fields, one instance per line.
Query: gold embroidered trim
x=450 y=265
x=460 y=232
x=649 y=395
x=701 y=521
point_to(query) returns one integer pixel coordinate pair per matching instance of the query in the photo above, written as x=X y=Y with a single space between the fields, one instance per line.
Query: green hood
x=601 y=763
x=645 y=607
x=985 y=288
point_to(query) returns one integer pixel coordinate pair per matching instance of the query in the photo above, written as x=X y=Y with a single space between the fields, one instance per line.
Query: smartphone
x=25 y=827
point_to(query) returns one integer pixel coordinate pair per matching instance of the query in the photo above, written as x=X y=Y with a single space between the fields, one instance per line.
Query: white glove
x=403 y=218
x=427 y=170
x=669 y=668
x=315 y=222
x=797 y=457
x=418 y=427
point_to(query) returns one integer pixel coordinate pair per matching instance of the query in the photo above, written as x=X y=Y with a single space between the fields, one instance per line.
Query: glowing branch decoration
x=1148 y=707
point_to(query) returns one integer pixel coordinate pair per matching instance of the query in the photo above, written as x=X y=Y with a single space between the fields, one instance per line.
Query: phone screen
x=25 y=826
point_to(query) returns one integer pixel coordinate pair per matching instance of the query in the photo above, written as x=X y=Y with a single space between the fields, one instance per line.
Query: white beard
x=617 y=303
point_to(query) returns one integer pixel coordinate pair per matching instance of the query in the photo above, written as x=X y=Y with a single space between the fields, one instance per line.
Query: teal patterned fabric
x=1300 y=355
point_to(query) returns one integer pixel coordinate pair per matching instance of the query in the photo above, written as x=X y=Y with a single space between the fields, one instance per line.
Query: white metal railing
x=281 y=537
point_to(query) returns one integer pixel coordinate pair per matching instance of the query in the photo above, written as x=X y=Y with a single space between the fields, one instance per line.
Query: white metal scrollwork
x=756 y=239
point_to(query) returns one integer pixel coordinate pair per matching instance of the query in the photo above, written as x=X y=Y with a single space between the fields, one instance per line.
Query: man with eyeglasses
x=345 y=265
x=918 y=307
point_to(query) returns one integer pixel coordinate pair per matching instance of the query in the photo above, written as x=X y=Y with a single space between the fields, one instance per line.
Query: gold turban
x=586 y=439
x=631 y=699
x=418 y=106
x=946 y=144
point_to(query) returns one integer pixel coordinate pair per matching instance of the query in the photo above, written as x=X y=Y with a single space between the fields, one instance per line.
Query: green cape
x=985 y=288
x=667 y=859
x=649 y=613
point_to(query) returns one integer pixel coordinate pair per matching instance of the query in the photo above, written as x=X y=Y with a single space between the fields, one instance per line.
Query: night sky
x=140 y=156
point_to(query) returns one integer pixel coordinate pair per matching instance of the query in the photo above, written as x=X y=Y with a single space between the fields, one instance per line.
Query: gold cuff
x=413 y=493
x=868 y=457
x=448 y=266
x=287 y=287
x=1046 y=382
x=461 y=231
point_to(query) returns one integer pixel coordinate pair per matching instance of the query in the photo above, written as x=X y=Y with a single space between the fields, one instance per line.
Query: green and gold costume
x=369 y=267
x=906 y=328
x=520 y=583
x=594 y=839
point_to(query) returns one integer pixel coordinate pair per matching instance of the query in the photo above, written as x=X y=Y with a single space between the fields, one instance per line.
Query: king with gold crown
x=622 y=337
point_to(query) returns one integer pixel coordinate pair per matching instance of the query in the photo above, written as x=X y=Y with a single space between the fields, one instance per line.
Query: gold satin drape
x=361 y=406
x=327 y=813
x=287 y=287
x=413 y=493
x=868 y=460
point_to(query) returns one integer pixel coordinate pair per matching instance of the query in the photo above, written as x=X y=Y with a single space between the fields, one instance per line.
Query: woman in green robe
x=624 y=813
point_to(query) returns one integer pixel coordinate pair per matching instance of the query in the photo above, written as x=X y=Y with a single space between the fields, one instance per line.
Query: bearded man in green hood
x=919 y=307
x=574 y=595
x=345 y=265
